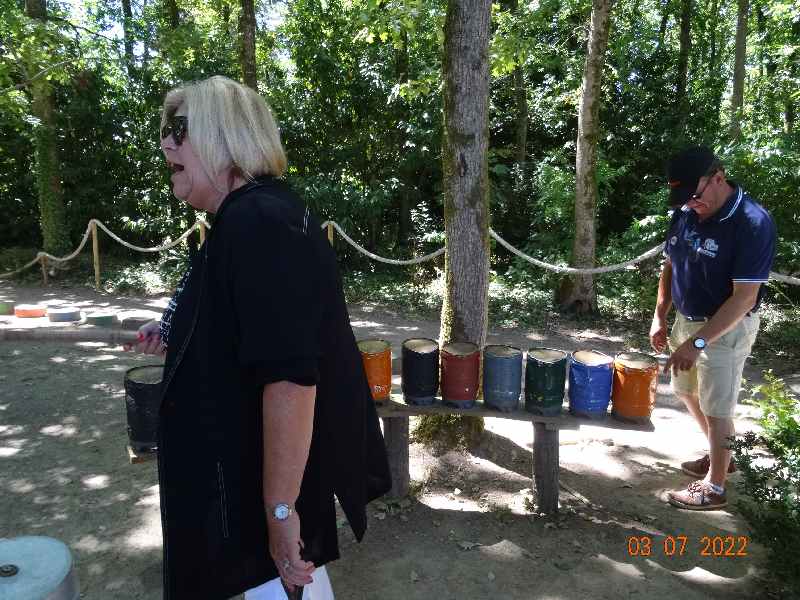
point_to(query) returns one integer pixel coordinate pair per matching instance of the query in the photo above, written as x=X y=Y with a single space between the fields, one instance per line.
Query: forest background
x=357 y=87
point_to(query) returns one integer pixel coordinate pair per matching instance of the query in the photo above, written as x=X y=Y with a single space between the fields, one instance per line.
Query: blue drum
x=591 y=375
x=502 y=377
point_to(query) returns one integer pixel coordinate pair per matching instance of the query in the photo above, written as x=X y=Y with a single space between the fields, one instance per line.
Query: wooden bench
x=395 y=413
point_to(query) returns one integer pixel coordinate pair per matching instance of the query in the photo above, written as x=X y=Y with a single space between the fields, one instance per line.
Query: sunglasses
x=177 y=127
x=698 y=195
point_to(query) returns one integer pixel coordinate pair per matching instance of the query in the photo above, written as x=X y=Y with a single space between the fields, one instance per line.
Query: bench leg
x=545 y=467
x=395 y=432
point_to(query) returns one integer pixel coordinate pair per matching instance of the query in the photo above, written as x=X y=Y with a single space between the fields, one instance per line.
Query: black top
x=263 y=303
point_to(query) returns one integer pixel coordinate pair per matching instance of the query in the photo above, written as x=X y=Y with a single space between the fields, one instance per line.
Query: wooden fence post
x=43 y=260
x=96 y=254
x=330 y=233
x=201 y=227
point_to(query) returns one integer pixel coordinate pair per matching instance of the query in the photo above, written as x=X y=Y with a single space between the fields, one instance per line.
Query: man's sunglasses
x=698 y=195
x=177 y=127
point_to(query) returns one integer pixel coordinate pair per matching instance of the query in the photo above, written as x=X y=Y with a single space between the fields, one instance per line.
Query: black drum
x=142 y=401
x=420 y=371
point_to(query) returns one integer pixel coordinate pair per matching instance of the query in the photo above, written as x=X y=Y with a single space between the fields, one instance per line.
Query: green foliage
x=356 y=87
x=771 y=486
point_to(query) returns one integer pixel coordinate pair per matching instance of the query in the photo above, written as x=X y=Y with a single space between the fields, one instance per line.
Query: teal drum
x=545 y=376
x=502 y=377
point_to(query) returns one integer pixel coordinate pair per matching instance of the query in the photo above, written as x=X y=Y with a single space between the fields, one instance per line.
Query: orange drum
x=29 y=311
x=635 y=380
x=377 y=357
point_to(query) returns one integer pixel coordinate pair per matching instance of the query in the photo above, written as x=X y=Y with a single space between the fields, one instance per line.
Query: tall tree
x=466 y=171
x=247 y=27
x=127 y=34
x=578 y=293
x=682 y=76
x=790 y=91
x=403 y=114
x=737 y=98
x=521 y=105
x=48 y=166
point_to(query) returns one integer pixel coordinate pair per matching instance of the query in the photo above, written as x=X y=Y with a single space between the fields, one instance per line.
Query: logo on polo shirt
x=709 y=248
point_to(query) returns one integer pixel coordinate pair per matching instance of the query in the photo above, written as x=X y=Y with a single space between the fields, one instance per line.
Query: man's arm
x=726 y=318
x=658 y=329
x=288 y=425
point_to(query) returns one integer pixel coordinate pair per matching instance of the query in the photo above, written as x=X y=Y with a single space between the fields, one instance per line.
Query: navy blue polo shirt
x=735 y=244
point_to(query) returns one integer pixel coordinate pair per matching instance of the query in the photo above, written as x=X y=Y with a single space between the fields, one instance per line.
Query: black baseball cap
x=684 y=171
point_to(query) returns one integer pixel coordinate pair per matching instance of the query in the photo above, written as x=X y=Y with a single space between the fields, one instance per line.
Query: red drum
x=460 y=371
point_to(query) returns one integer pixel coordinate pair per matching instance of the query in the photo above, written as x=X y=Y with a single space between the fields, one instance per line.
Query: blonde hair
x=230 y=126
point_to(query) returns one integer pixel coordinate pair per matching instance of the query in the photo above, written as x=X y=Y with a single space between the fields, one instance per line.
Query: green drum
x=545 y=374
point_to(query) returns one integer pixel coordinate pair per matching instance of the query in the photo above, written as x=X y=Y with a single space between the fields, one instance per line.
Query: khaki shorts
x=717 y=375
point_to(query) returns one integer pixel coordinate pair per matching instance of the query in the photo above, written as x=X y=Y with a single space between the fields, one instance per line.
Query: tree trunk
x=682 y=77
x=578 y=293
x=737 y=98
x=466 y=171
x=712 y=58
x=247 y=26
x=402 y=76
x=521 y=102
x=789 y=106
x=662 y=29
x=48 y=166
x=521 y=97
x=173 y=16
x=127 y=34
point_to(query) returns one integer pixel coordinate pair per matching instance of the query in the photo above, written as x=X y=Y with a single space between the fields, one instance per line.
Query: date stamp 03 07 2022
x=730 y=546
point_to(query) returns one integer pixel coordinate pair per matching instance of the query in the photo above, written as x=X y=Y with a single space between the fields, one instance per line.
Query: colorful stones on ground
x=103 y=319
x=64 y=314
x=30 y=311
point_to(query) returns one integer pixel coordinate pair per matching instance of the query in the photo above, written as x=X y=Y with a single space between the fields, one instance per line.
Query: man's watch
x=699 y=343
x=282 y=511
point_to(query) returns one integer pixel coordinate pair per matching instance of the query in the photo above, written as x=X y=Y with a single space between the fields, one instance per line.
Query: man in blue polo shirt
x=719 y=252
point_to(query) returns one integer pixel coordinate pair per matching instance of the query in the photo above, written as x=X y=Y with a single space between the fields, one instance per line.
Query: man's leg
x=719 y=430
x=692 y=403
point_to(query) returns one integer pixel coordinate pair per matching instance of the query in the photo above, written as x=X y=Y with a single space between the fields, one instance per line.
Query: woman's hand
x=284 y=548
x=149 y=340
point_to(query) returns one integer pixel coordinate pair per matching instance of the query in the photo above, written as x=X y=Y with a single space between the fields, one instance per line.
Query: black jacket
x=263 y=303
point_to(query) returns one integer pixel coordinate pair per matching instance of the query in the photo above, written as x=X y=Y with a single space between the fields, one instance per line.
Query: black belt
x=694 y=318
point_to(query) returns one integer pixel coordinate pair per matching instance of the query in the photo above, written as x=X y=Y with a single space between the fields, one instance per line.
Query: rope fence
x=202 y=225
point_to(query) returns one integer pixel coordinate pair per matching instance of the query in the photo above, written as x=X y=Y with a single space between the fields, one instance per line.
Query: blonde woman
x=266 y=411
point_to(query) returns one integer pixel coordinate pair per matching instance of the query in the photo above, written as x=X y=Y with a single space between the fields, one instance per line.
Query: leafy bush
x=771 y=486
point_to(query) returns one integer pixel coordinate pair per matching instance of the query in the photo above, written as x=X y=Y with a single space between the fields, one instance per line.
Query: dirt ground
x=467 y=534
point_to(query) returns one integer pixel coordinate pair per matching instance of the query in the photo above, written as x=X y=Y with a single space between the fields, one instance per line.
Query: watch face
x=699 y=343
x=281 y=512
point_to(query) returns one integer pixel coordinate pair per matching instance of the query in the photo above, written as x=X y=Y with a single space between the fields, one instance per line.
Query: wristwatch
x=282 y=511
x=699 y=343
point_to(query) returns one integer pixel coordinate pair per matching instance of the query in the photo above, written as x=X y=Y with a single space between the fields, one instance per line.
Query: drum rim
x=161 y=366
x=565 y=353
x=474 y=346
x=609 y=363
x=487 y=346
x=421 y=339
x=653 y=364
x=388 y=346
